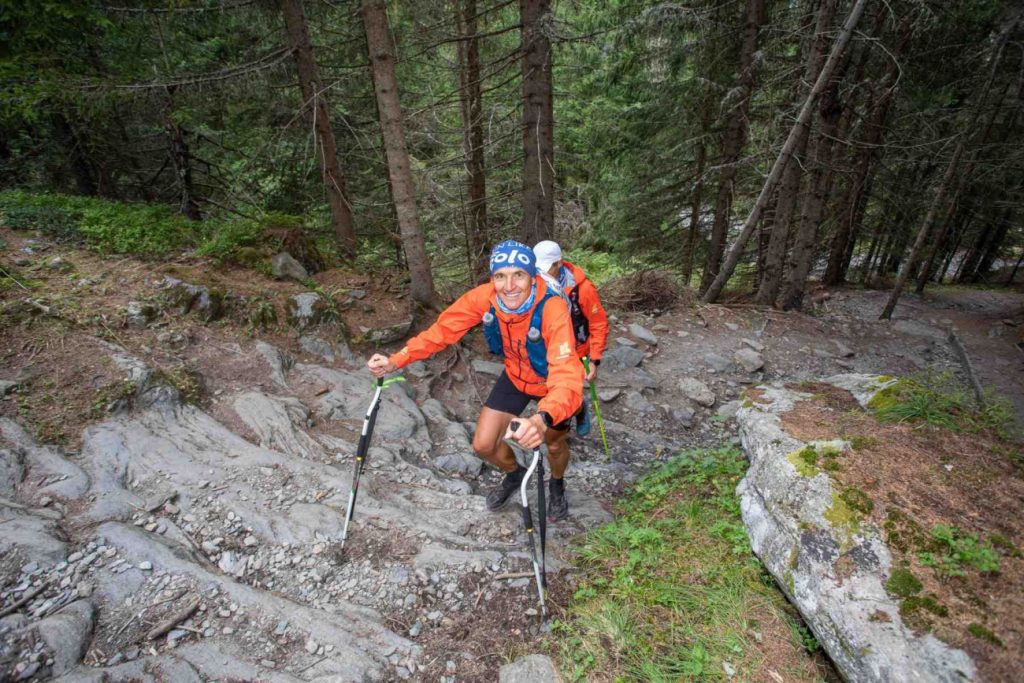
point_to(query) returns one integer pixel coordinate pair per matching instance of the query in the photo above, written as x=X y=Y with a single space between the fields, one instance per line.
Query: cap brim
x=545 y=265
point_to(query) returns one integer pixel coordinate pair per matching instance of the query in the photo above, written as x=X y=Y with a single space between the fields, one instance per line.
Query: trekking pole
x=538 y=568
x=597 y=410
x=363 y=449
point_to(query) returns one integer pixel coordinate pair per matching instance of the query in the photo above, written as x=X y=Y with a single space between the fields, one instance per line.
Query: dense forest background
x=753 y=148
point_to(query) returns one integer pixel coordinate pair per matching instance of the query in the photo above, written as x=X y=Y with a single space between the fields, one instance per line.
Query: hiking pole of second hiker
x=597 y=410
x=538 y=571
x=361 y=452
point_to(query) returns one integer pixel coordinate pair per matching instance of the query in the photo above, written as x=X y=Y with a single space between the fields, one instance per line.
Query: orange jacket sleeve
x=565 y=372
x=590 y=303
x=451 y=326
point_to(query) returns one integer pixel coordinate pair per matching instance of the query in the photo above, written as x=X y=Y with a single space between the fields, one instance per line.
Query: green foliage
x=233 y=240
x=669 y=588
x=902 y=583
x=951 y=553
x=52 y=221
x=107 y=226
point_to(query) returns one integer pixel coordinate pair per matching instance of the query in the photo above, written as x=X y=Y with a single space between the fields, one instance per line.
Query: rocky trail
x=193 y=535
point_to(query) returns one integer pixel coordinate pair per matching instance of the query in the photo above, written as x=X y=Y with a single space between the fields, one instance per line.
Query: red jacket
x=584 y=294
x=560 y=394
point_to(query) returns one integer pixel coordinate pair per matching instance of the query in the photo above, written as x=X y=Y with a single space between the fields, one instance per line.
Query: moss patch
x=843 y=518
x=857 y=499
x=902 y=583
x=979 y=631
x=805 y=461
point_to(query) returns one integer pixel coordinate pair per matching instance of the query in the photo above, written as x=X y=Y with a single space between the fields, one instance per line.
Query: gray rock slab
x=275 y=420
x=530 y=669
x=399 y=417
x=487 y=367
x=317 y=347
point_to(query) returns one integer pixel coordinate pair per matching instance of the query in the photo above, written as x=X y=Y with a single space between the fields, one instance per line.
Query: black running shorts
x=506 y=398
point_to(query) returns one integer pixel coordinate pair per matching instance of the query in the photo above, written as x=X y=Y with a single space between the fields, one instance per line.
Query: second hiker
x=589 y=319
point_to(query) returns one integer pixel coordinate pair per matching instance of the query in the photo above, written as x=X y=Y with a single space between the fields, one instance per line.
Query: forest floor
x=159 y=452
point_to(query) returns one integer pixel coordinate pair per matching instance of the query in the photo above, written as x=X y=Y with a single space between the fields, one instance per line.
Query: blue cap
x=514 y=254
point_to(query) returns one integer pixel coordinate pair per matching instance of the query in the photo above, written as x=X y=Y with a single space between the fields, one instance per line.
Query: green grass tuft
x=979 y=631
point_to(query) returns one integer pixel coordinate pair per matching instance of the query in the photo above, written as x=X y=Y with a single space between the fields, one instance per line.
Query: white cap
x=546 y=253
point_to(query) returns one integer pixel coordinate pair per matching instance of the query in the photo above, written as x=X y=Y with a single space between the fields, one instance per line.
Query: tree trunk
x=926 y=228
x=181 y=161
x=538 y=222
x=789 y=186
x=993 y=247
x=947 y=181
x=785 y=154
x=733 y=141
x=870 y=152
x=318 y=113
x=937 y=244
x=697 y=197
x=382 y=62
x=1016 y=267
x=951 y=252
x=813 y=207
x=969 y=264
x=81 y=171
x=471 y=101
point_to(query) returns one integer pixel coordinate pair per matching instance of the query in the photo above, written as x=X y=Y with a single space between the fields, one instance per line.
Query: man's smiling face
x=512 y=285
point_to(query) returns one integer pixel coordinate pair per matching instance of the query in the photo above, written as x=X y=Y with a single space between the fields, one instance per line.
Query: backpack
x=536 y=349
x=580 y=323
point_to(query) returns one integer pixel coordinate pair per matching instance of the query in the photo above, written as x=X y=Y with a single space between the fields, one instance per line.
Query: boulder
x=306 y=310
x=716 y=362
x=749 y=360
x=139 y=314
x=530 y=669
x=697 y=391
x=386 y=335
x=785 y=513
x=67 y=633
x=622 y=357
x=643 y=334
x=286 y=267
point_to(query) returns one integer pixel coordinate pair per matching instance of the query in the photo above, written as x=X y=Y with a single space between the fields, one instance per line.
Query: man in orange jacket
x=530 y=325
x=589 y=319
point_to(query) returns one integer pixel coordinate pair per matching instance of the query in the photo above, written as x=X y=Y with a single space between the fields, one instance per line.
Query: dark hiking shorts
x=507 y=399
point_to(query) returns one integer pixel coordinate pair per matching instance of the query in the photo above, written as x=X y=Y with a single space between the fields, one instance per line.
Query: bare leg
x=558 y=451
x=488 y=440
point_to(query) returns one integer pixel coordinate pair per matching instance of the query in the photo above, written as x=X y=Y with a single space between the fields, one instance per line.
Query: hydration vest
x=580 y=323
x=536 y=349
